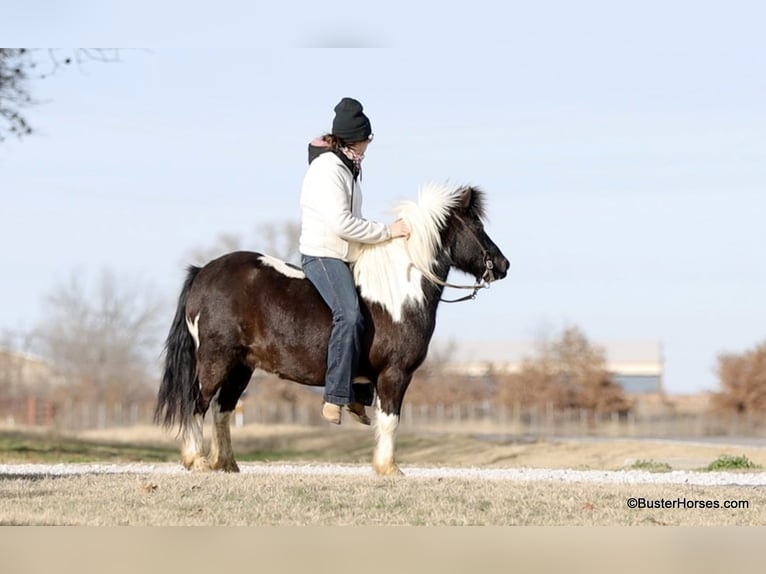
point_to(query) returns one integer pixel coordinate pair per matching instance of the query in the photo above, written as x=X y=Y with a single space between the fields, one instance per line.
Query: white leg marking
x=191 y=451
x=385 y=434
x=221 y=452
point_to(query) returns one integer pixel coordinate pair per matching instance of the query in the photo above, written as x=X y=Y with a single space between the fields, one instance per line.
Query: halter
x=482 y=282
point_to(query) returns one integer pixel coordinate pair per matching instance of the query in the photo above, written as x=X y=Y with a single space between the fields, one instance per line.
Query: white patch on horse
x=193 y=327
x=385 y=433
x=220 y=444
x=282 y=267
x=192 y=440
x=387 y=273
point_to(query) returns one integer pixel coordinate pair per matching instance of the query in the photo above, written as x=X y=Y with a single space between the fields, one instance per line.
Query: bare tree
x=434 y=383
x=104 y=340
x=278 y=239
x=15 y=67
x=568 y=372
x=224 y=243
x=19 y=66
x=439 y=355
x=743 y=382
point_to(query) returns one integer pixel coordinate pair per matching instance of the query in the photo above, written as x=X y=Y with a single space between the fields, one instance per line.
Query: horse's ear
x=465 y=198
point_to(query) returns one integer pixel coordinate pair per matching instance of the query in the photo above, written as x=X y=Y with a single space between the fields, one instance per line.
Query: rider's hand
x=399 y=229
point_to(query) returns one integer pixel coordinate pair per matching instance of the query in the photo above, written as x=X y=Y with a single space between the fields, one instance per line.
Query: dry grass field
x=245 y=499
x=364 y=500
x=354 y=444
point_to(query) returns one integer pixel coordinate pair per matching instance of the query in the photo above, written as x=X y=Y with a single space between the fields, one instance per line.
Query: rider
x=332 y=229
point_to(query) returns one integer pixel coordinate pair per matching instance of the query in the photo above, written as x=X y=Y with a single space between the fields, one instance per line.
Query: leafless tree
x=279 y=239
x=566 y=373
x=439 y=355
x=224 y=243
x=743 y=382
x=104 y=340
x=20 y=66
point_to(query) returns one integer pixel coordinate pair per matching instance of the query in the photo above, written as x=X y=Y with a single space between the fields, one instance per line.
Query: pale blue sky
x=623 y=154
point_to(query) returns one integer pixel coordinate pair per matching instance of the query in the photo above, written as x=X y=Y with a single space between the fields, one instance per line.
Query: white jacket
x=331 y=214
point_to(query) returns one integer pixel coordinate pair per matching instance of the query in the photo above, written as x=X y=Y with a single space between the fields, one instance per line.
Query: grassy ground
x=248 y=499
x=354 y=444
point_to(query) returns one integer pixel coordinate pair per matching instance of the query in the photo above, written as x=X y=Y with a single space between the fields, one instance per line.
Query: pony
x=247 y=311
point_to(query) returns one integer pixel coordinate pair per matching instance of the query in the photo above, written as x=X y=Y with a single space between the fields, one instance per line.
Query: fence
x=483 y=417
x=546 y=422
x=73 y=415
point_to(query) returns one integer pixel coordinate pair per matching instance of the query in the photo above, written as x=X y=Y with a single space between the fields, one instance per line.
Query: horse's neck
x=430 y=284
x=433 y=291
x=387 y=276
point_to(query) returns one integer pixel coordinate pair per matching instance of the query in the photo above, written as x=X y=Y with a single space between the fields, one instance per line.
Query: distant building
x=637 y=366
x=21 y=373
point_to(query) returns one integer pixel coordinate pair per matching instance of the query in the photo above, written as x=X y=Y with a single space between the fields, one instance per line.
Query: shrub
x=651 y=466
x=729 y=462
x=743 y=382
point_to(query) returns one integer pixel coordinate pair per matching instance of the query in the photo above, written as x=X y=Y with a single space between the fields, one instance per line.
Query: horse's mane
x=387 y=273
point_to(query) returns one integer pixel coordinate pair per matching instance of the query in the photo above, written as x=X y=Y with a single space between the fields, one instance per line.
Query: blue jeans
x=335 y=283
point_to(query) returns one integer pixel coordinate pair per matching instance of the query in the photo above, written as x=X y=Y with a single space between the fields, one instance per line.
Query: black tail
x=179 y=390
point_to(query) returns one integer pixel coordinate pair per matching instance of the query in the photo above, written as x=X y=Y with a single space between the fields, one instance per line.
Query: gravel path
x=509 y=474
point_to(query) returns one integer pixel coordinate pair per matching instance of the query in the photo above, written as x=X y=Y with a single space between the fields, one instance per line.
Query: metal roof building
x=636 y=365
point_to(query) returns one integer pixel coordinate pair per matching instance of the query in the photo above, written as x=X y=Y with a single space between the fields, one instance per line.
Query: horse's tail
x=179 y=391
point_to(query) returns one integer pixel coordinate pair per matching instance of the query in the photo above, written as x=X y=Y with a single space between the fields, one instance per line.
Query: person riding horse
x=245 y=311
x=332 y=228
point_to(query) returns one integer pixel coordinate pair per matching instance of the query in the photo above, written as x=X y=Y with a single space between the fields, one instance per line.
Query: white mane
x=387 y=273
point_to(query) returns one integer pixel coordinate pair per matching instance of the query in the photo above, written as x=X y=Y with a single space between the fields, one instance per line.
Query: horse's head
x=447 y=227
x=470 y=248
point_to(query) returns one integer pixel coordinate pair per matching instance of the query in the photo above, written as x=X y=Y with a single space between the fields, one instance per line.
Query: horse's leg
x=221 y=451
x=211 y=374
x=391 y=388
x=192 y=455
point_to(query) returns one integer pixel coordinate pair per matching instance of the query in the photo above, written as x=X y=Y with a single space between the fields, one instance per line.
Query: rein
x=482 y=282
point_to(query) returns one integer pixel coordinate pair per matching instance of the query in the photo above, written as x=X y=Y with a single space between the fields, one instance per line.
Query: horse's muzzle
x=500 y=267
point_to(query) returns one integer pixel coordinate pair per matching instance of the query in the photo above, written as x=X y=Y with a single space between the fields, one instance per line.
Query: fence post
x=50 y=412
x=31 y=411
x=407 y=415
x=101 y=413
x=134 y=413
x=439 y=413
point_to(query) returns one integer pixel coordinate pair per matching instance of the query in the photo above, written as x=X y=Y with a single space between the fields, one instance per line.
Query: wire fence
x=484 y=417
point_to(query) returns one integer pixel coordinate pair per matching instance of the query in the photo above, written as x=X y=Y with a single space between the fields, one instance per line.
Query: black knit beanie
x=350 y=123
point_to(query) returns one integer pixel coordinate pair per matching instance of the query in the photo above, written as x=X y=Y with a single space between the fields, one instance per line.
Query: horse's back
x=263 y=311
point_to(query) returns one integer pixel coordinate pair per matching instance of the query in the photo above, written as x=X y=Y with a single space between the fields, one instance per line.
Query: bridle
x=482 y=282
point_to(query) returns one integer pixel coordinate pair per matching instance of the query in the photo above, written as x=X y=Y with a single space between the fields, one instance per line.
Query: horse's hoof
x=226 y=466
x=391 y=469
x=199 y=464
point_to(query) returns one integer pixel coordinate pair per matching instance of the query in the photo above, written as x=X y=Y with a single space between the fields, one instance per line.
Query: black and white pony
x=245 y=311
